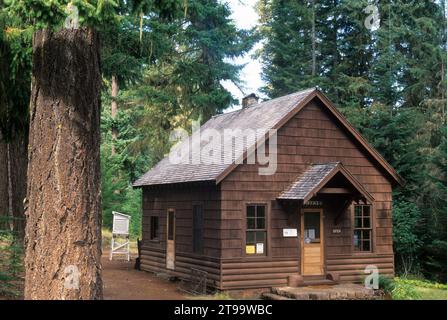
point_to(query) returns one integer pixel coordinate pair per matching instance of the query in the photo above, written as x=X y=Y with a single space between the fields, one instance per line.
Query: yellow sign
x=250 y=249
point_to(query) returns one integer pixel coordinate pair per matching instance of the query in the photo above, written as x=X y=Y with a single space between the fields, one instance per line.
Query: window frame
x=372 y=241
x=151 y=238
x=265 y=230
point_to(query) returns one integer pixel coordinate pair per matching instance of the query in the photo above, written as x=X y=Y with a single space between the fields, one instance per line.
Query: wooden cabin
x=325 y=212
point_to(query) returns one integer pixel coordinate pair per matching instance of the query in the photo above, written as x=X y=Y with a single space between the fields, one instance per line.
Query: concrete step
x=273 y=296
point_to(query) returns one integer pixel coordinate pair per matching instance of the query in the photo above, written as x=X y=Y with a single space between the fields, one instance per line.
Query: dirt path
x=123 y=282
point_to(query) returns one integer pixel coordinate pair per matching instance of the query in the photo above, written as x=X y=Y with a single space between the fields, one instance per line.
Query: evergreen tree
x=316 y=43
x=434 y=255
x=349 y=54
x=184 y=83
x=287 y=55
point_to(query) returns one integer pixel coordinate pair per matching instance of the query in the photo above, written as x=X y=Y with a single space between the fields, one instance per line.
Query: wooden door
x=170 y=240
x=312 y=255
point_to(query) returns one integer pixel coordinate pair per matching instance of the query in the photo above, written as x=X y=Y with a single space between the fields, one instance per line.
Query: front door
x=312 y=255
x=170 y=240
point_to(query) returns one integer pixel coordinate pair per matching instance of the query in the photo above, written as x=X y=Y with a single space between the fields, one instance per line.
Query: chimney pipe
x=249 y=100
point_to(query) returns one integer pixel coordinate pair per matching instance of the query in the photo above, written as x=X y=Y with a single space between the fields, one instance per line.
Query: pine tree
x=209 y=39
x=316 y=43
x=435 y=253
x=290 y=46
x=410 y=52
x=184 y=82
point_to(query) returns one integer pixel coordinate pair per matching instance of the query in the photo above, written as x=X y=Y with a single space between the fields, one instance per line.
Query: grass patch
x=409 y=289
x=431 y=294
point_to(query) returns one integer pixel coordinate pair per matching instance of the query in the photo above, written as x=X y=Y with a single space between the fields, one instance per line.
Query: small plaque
x=336 y=230
x=313 y=204
x=290 y=232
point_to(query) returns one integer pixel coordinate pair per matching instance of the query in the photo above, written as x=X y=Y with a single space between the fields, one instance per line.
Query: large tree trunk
x=63 y=231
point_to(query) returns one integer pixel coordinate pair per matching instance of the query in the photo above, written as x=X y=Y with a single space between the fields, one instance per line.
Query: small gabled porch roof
x=317 y=176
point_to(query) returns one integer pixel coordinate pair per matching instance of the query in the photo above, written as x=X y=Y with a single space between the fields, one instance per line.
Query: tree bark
x=114 y=112
x=63 y=231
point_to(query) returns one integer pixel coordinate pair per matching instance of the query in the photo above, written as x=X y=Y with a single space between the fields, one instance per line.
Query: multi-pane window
x=362 y=228
x=154 y=228
x=256 y=232
x=197 y=227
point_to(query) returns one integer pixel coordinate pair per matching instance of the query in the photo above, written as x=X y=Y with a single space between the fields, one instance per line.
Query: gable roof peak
x=262 y=117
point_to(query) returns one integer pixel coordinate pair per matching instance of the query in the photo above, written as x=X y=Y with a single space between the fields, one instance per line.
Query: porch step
x=273 y=296
x=315 y=277
x=317 y=282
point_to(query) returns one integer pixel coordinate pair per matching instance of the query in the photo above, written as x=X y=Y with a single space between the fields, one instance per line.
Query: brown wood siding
x=154 y=260
x=351 y=267
x=156 y=201
x=262 y=273
x=312 y=136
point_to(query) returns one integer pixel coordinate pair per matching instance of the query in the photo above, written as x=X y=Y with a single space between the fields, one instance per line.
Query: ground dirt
x=123 y=282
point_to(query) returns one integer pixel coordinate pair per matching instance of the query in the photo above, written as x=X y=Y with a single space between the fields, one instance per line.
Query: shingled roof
x=315 y=178
x=308 y=181
x=271 y=114
x=260 y=117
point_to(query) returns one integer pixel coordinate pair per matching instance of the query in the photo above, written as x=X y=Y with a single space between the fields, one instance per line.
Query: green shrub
x=11 y=264
x=386 y=284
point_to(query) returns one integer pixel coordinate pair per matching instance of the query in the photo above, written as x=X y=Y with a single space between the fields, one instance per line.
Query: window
x=171 y=221
x=362 y=228
x=197 y=228
x=256 y=230
x=312 y=227
x=154 y=228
